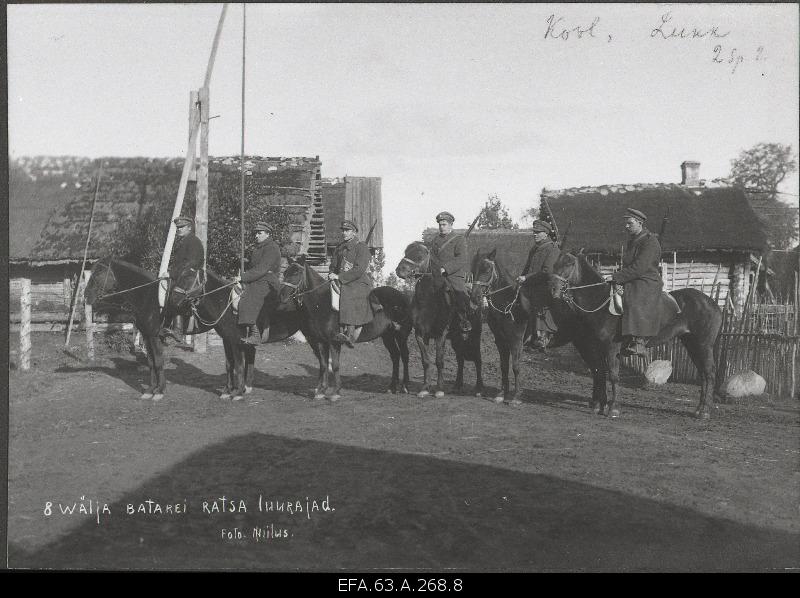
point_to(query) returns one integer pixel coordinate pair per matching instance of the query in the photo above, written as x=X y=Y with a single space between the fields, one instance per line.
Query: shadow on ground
x=402 y=511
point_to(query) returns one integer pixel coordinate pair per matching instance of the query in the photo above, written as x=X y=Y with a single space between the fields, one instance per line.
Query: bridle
x=566 y=290
x=421 y=268
x=487 y=291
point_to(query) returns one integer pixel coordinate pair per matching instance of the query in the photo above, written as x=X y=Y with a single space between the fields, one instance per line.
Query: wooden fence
x=763 y=338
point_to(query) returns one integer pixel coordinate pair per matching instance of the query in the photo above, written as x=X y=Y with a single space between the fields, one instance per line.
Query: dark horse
x=435 y=316
x=507 y=312
x=319 y=323
x=579 y=299
x=210 y=302
x=120 y=283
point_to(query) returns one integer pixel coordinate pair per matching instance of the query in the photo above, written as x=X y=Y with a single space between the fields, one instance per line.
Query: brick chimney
x=690 y=173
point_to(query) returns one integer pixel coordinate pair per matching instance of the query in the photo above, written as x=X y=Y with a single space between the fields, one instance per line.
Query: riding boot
x=175 y=331
x=253 y=337
x=346 y=339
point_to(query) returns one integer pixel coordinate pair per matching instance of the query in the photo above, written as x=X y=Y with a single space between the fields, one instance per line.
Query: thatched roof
x=699 y=219
x=785 y=265
x=50 y=198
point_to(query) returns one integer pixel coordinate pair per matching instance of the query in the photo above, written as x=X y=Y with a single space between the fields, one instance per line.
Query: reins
x=566 y=294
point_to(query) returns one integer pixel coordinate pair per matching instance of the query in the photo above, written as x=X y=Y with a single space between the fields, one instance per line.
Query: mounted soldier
x=349 y=267
x=449 y=262
x=261 y=282
x=541 y=258
x=641 y=276
x=188 y=255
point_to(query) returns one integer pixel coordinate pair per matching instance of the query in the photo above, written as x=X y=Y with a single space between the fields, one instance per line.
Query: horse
x=507 y=312
x=319 y=323
x=210 y=301
x=121 y=283
x=579 y=300
x=433 y=316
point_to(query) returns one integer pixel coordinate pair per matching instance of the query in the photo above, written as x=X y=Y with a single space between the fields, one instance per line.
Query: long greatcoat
x=641 y=276
x=542 y=258
x=188 y=254
x=350 y=262
x=450 y=252
x=260 y=278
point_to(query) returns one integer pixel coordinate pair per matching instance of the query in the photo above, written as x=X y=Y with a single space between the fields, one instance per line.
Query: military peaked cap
x=262 y=226
x=631 y=213
x=445 y=216
x=349 y=225
x=182 y=221
x=540 y=226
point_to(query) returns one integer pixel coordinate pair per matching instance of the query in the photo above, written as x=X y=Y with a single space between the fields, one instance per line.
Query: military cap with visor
x=446 y=216
x=349 y=225
x=631 y=213
x=182 y=221
x=540 y=226
x=259 y=226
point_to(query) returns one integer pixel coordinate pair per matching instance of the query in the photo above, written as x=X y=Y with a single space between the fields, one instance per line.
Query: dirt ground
x=378 y=481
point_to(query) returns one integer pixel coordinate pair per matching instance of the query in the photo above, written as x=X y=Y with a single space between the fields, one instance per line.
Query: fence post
x=88 y=320
x=25 y=325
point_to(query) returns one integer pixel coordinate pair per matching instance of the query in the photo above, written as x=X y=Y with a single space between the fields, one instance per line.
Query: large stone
x=744 y=384
x=658 y=372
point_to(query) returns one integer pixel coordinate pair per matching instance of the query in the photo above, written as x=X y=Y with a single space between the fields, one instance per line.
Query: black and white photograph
x=403 y=293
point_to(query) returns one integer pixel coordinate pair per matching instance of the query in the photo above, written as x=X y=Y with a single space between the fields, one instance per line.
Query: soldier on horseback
x=349 y=267
x=541 y=258
x=449 y=262
x=261 y=282
x=641 y=276
x=188 y=255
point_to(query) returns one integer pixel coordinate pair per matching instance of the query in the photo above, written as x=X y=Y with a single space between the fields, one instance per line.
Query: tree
x=375 y=268
x=759 y=171
x=495 y=215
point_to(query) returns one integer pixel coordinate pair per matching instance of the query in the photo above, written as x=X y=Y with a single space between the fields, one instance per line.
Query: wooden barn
x=50 y=202
x=357 y=199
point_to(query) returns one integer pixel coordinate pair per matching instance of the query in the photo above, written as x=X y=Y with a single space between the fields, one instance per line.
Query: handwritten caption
x=294 y=509
x=665 y=28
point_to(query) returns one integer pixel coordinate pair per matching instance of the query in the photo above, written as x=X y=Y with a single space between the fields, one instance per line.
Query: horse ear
x=492 y=254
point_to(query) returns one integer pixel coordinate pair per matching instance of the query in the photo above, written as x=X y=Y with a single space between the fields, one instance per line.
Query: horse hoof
x=514 y=403
x=614 y=414
x=237 y=398
x=248 y=390
x=225 y=396
x=439 y=394
x=157 y=397
x=334 y=398
x=422 y=394
x=498 y=399
x=479 y=394
x=318 y=396
x=146 y=395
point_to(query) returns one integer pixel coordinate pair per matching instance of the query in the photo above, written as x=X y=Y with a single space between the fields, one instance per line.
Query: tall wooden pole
x=187 y=167
x=201 y=210
x=241 y=158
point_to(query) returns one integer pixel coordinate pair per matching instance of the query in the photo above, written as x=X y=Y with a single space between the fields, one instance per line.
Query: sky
x=447 y=103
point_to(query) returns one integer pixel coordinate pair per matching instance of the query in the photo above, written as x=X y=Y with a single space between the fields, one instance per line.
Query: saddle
x=667 y=306
x=236 y=295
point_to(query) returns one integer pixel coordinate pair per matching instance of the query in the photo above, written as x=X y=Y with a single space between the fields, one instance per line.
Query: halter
x=487 y=292
x=566 y=294
x=420 y=268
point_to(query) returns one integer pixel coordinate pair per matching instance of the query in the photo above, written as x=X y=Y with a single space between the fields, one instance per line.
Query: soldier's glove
x=444 y=272
x=609 y=278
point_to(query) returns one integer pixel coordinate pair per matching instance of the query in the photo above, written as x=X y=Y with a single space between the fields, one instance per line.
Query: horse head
x=294 y=278
x=415 y=262
x=189 y=283
x=102 y=281
x=484 y=275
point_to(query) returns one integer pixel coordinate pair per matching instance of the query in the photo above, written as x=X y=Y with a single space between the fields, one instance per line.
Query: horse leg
x=440 y=343
x=503 y=351
x=335 y=394
x=703 y=359
x=390 y=342
x=459 y=385
x=478 y=376
x=598 y=401
x=155 y=354
x=321 y=351
x=402 y=343
x=612 y=359
x=514 y=353
x=229 y=368
x=422 y=343
x=249 y=368
x=238 y=373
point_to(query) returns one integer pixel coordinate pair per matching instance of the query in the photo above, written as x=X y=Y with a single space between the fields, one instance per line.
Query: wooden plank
x=201 y=206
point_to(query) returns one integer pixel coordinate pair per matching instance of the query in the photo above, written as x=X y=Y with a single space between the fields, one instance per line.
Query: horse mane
x=587 y=272
x=132 y=268
x=506 y=277
x=416 y=246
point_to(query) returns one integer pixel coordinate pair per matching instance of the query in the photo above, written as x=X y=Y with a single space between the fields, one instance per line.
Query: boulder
x=658 y=372
x=744 y=384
